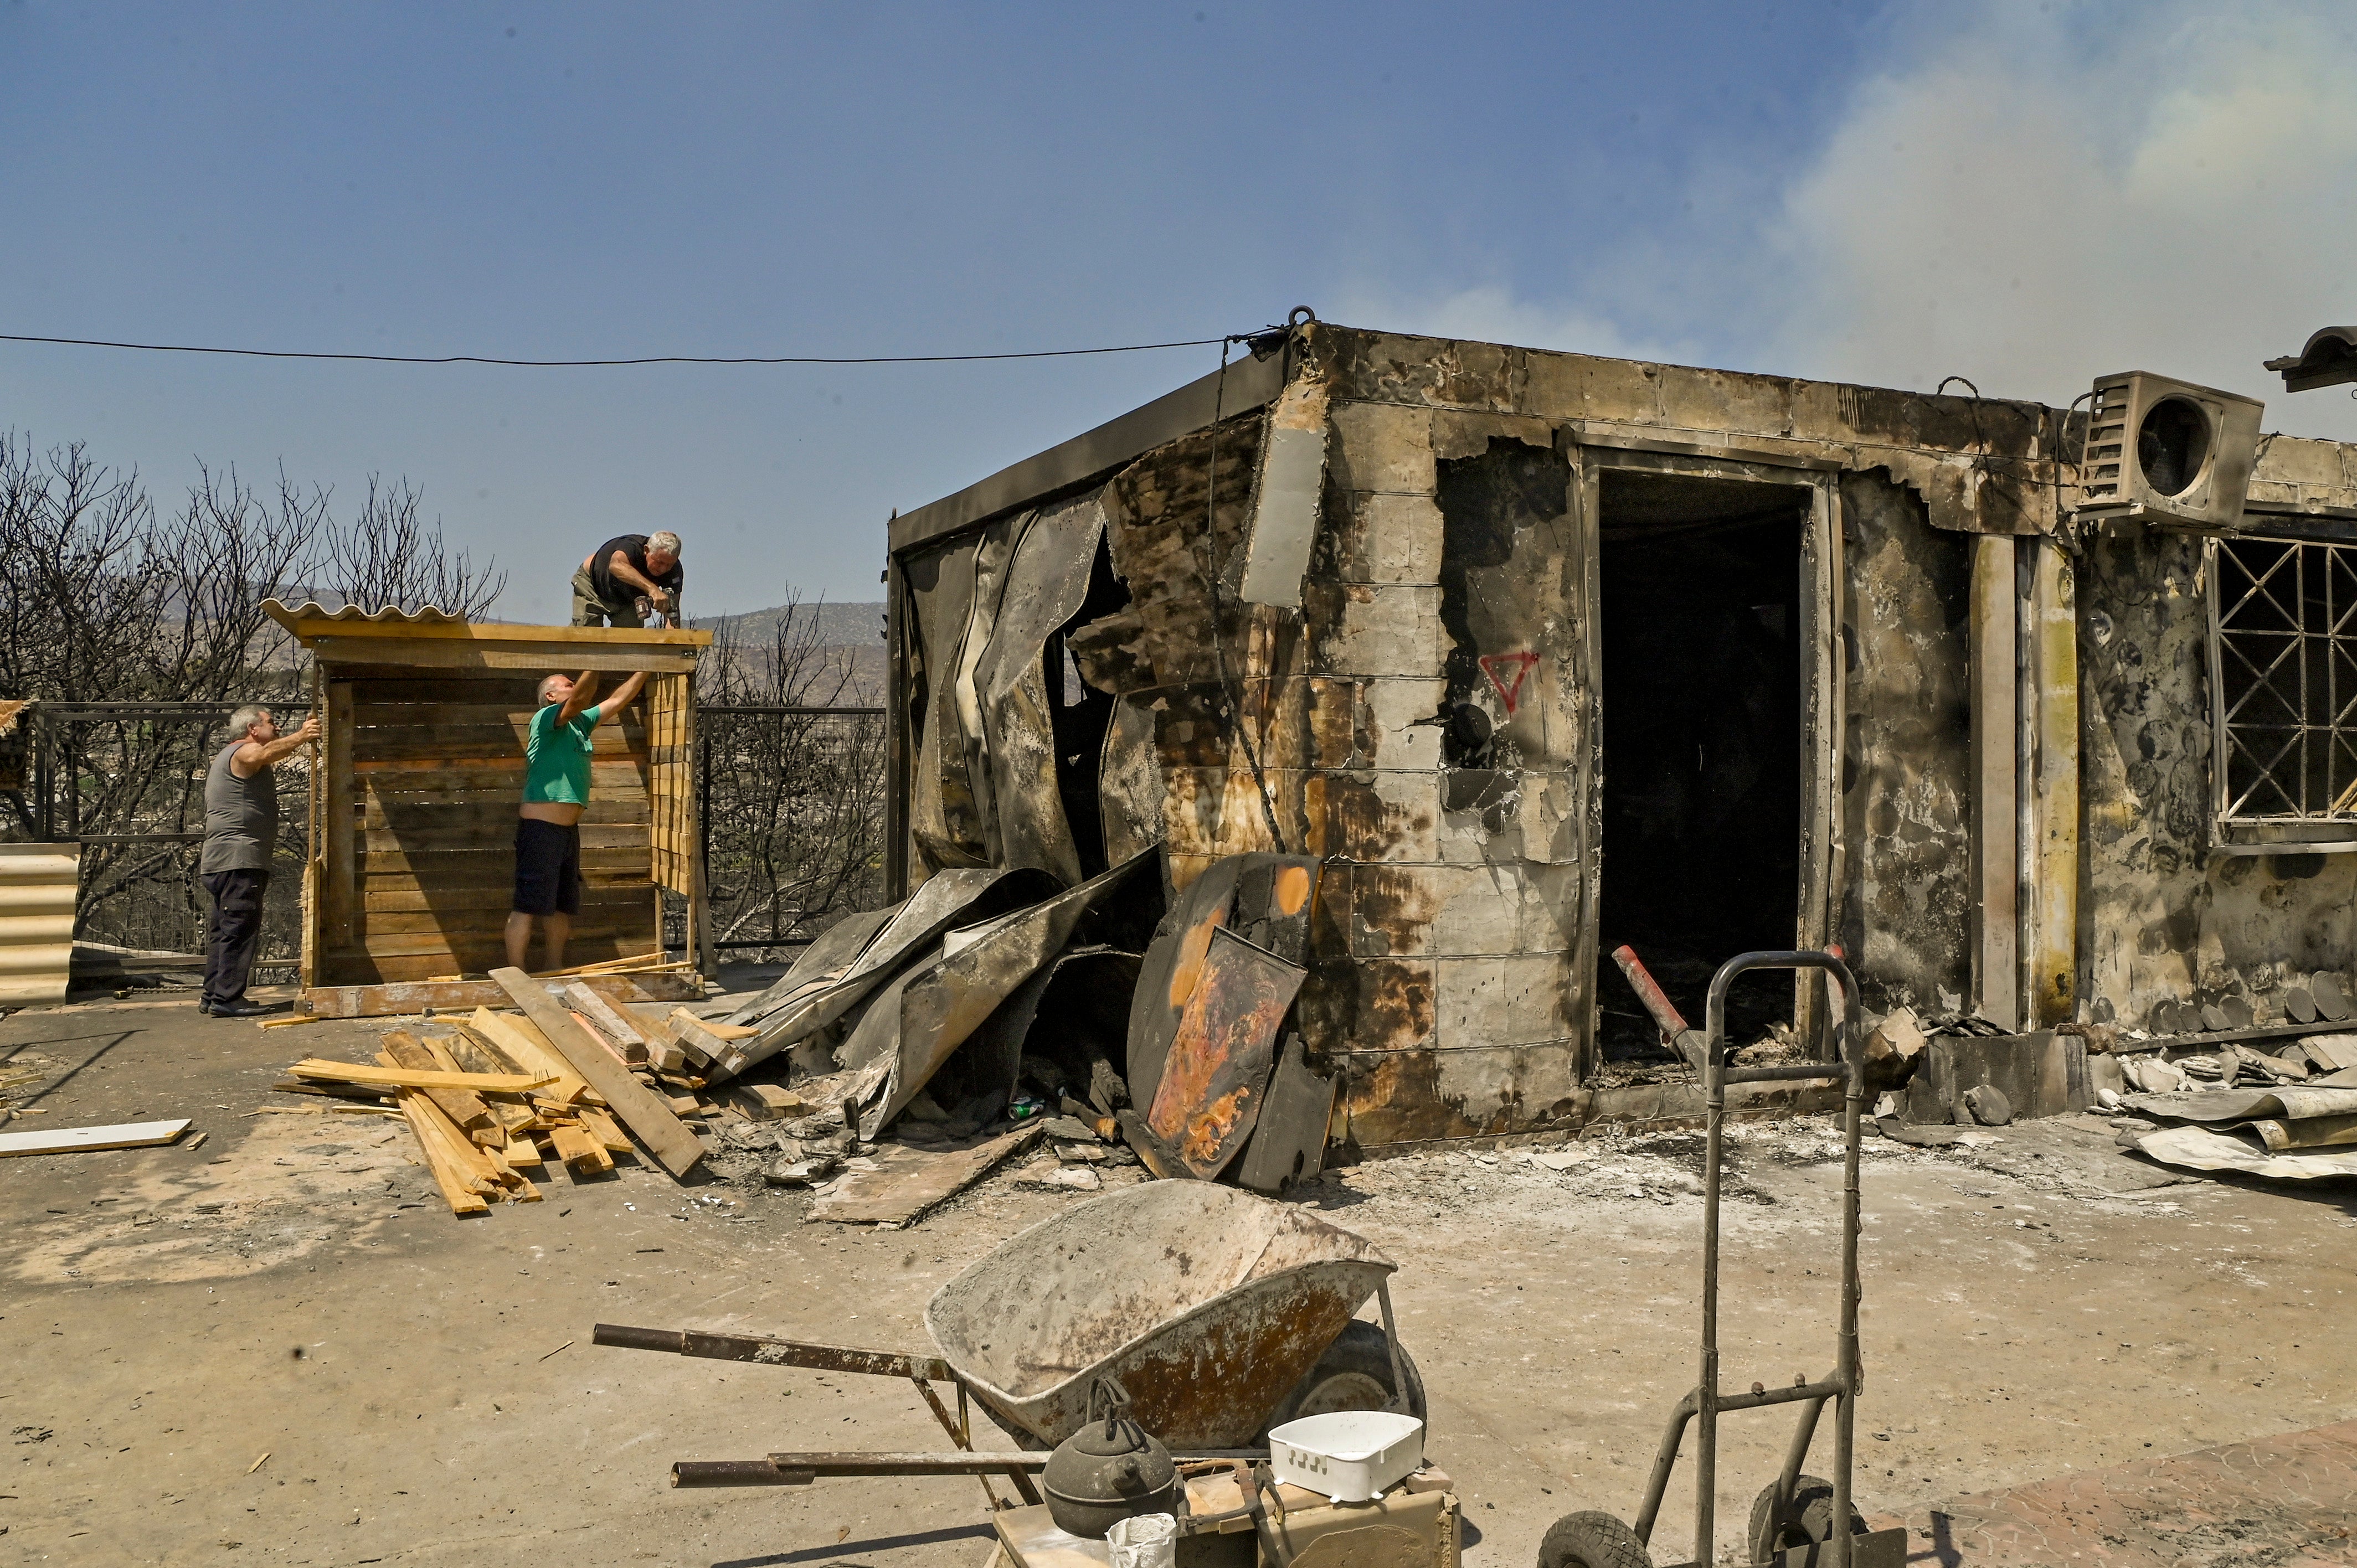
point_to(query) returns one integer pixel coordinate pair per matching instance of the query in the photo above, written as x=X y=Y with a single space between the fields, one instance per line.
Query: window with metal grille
x=2282 y=655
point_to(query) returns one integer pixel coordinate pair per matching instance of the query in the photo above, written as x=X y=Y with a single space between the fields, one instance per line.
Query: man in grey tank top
x=241 y=831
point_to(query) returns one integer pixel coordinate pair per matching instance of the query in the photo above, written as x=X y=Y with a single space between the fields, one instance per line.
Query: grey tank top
x=240 y=817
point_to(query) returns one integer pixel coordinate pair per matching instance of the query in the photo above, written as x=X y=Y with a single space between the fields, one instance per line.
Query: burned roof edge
x=1246 y=385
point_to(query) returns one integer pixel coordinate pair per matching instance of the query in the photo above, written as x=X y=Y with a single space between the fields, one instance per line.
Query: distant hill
x=850 y=634
x=849 y=625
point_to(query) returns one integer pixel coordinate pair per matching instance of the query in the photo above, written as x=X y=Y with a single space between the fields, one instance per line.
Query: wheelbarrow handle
x=771 y=1352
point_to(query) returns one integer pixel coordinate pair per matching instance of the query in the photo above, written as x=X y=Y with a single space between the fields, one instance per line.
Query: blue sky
x=2031 y=195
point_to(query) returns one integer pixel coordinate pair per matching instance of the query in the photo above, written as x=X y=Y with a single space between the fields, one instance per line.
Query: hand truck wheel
x=1809 y=1522
x=1592 y=1539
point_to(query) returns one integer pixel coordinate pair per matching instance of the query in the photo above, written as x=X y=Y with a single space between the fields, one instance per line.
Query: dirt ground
x=280 y=1345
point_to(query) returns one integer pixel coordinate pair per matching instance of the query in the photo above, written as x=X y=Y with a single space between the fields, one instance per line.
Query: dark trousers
x=237 y=932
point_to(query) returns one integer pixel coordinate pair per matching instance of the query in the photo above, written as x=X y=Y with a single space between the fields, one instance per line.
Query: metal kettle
x=1110 y=1470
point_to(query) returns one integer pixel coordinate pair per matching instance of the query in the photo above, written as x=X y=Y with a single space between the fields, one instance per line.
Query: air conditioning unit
x=2169 y=452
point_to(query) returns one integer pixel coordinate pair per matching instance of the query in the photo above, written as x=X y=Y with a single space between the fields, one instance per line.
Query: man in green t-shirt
x=555 y=788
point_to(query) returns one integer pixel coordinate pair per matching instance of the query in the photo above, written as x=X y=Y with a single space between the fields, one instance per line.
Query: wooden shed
x=413 y=806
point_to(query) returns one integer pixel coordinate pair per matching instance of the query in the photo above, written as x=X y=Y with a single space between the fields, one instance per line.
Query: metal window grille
x=2283 y=652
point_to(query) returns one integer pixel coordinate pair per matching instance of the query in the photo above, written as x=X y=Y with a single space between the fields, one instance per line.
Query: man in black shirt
x=625 y=578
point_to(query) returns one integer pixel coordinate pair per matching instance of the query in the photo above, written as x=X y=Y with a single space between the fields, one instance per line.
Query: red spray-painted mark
x=1509 y=691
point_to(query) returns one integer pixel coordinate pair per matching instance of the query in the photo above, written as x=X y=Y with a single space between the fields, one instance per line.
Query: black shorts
x=548 y=868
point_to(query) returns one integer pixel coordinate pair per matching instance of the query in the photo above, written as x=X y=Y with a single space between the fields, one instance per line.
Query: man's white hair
x=546 y=681
x=245 y=718
x=666 y=543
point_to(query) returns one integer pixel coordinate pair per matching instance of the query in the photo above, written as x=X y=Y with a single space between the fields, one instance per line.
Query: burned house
x=1537 y=654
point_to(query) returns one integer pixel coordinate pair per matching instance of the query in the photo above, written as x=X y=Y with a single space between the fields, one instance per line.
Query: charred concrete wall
x=1422 y=714
x=1906 y=899
x=2167 y=920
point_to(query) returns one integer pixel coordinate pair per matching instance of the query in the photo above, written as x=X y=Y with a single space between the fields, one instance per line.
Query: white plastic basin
x=1350 y=1456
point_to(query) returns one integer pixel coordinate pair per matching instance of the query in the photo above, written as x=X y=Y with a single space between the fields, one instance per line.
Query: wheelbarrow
x=1219 y=1313
x=1797 y=1519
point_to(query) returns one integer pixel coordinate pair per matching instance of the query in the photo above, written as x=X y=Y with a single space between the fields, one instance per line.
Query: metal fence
x=792 y=799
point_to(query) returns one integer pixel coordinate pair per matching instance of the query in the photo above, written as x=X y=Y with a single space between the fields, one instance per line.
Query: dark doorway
x=1700 y=624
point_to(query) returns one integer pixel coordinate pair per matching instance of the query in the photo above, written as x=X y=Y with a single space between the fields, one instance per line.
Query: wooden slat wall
x=424 y=773
x=672 y=780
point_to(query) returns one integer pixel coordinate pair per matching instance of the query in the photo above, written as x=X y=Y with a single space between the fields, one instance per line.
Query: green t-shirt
x=556 y=758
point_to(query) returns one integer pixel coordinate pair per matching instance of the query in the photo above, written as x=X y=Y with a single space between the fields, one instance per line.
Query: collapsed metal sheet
x=2229 y=1105
x=1131 y=789
x=2197 y=1148
x=993 y=552
x=1267 y=897
x=1080 y=1001
x=823 y=963
x=1288 y=1145
x=1046 y=583
x=1216 y=1075
x=948 y=898
x=944 y=1001
x=1285 y=504
x=941 y=818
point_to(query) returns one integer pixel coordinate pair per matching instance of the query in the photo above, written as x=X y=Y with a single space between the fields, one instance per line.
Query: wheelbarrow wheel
x=1592 y=1539
x=1354 y=1373
x=1808 y=1522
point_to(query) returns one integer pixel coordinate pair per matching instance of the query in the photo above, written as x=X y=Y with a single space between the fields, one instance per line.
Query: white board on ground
x=74 y=1140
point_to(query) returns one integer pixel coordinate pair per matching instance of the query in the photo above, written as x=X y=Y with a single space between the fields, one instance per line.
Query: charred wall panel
x=2164 y=919
x=1905 y=908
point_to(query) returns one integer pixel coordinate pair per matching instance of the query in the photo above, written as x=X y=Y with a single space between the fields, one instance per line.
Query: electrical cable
x=584 y=364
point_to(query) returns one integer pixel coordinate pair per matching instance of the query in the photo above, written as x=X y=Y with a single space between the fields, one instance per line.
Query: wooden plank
x=907 y=1182
x=522 y=1150
x=398 y=774
x=608 y=743
x=337 y=853
x=358 y=966
x=478 y=932
x=373 y=709
x=457 y=1191
x=407 y=999
x=318 y=1068
x=463 y=1107
x=601 y=1126
x=423 y=653
x=612 y=867
x=521 y=1040
x=469 y=831
x=648 y=1117
x=514 y=692
x=382 y=811
x=507 y=1113
x=75 y=1140
x=608 y=913
x=622 y=1030
x=377 y=903
x=582 y=1155
x=573 y=639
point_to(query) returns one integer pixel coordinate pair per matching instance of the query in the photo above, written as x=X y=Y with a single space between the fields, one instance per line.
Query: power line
x=585 y=364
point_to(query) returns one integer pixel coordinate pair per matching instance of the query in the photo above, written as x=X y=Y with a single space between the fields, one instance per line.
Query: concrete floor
x=424 y=1390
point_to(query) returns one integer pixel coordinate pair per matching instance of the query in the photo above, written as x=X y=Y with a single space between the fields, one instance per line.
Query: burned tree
x=793 y=783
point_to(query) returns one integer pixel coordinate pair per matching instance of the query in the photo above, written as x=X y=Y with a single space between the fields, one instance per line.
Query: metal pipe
x=1847 y=1368
x=1391 y=1341
x=1713 y=1079
x=1665 y=1459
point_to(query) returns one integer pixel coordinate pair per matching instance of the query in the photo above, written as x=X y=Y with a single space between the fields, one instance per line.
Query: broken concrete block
x=2040 y=1074
x=1070 y=1130
x=1897 y=1038
x=2151 y=1074
x=1989 y=1105
x=803 y=1172
x=2331 y=1052
x=1047 y=1175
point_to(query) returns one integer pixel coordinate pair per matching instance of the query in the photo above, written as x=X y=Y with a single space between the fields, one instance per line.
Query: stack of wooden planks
x=573 y=1081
